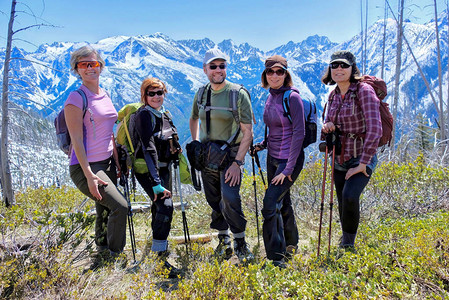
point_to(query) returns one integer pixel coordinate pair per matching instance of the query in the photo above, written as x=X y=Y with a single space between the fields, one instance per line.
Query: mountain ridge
x=129 y=59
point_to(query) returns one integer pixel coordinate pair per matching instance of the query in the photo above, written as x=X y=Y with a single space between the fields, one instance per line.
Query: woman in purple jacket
x=285 y=160
x=353 y=108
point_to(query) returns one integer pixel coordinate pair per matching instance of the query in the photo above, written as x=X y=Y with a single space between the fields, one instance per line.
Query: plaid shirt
x=359 y=115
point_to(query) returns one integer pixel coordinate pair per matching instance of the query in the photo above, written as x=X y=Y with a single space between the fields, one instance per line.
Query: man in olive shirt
x=222 y=187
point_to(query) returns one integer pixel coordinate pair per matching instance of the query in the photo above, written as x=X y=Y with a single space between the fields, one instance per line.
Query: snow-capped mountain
x=44 y=86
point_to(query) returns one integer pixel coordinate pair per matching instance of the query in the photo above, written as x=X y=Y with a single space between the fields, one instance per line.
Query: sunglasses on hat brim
x=337 y=64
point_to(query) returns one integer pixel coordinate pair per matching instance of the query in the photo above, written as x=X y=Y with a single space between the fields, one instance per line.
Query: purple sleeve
x=369 y=103
x=297 y=114
x=74 y=98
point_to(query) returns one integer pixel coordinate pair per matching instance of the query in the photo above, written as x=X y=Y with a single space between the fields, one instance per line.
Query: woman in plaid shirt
x=353 y=108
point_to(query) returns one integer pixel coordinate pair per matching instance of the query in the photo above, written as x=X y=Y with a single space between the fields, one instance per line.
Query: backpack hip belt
x=355 y=137
x=162 y=164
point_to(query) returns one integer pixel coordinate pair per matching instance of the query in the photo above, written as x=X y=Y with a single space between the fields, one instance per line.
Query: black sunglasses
x=152 y=94
x=279 y=72
x=213 y=67
x=343 y=65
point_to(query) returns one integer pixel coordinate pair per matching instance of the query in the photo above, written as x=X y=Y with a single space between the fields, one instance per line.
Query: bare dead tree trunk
x=365 y=59
x=447 y=104
x=440 y=77
x=398 y=66
x=426 y=82
x=362 y=41
x=383 y=41
x=8 y=192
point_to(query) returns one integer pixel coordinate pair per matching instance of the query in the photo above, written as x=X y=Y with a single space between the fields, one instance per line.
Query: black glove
x=256 y=148
x=333 y=139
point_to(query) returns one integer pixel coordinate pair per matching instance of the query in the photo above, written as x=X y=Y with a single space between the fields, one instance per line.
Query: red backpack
x=380 y=87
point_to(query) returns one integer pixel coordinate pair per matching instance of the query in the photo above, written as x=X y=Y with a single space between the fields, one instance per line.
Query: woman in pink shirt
x=353 y=109
x=92 y=167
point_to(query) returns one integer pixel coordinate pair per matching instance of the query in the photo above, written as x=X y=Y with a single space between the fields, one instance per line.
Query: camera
x=331 y=139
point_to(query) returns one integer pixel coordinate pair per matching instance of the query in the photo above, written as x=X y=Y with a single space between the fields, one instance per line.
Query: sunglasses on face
x=279 y=72
x=152 y=94
x=343 y=65
x=213 y=67
x=87 y=64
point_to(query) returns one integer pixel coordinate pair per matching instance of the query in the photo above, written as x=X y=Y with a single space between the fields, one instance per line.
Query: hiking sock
x=159 y=245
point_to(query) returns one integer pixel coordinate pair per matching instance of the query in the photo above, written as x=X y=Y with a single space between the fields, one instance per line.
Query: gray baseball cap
x=213 y=54
x=344 y=56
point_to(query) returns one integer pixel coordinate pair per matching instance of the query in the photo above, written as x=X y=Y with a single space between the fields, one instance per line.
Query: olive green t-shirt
x=223 y=124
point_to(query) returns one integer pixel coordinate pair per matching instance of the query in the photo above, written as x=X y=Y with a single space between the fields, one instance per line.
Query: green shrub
x=402 y=247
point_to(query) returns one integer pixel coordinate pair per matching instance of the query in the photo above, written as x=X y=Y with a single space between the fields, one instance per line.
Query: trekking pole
x=331 y=201
x=256 y=156
x=183 y=211
x=255 y=194
x=323 y=186
x=132 y=237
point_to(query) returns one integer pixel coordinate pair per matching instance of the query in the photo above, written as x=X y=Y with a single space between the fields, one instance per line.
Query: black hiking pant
x=348 y=194
x=225 y=202
x=279 y=224
x=161 y=209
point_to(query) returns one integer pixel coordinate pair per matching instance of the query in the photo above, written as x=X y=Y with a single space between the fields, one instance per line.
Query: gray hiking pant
x=112 y=210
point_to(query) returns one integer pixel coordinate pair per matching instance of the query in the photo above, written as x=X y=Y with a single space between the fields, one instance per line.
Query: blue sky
x=262 y=23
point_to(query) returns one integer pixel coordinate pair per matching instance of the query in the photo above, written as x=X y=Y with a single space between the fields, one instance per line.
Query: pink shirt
x=98 y=143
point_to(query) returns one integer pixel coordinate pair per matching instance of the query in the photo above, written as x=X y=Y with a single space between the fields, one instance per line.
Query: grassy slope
x=402 y=247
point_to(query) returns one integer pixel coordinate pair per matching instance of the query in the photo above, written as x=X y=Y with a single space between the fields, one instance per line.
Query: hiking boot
x=280 y=264
x=242 y=251
x=163 y=255
x=290 y=251
x=106 y=257
x=119 y=260
x=173 y=272
x=100 y=260
x=347 y=240
x=224 y=248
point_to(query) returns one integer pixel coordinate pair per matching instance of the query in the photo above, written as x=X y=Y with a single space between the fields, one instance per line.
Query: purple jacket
x=284 y=138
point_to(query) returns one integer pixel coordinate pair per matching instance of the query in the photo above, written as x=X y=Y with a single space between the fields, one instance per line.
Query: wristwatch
x=239 y=162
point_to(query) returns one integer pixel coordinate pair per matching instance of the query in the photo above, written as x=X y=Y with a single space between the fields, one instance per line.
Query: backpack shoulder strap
x=130 y=127
x=169 y=117
x=85 y=103
x=312 y=110
x=199 y=96
x=355 y=95
x=233 y=98
x=329 y=100
x=286 y=105
x=85 y=109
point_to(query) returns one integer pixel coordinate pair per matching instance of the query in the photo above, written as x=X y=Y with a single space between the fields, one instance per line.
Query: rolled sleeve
x=245 y=108
x=195 y=110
